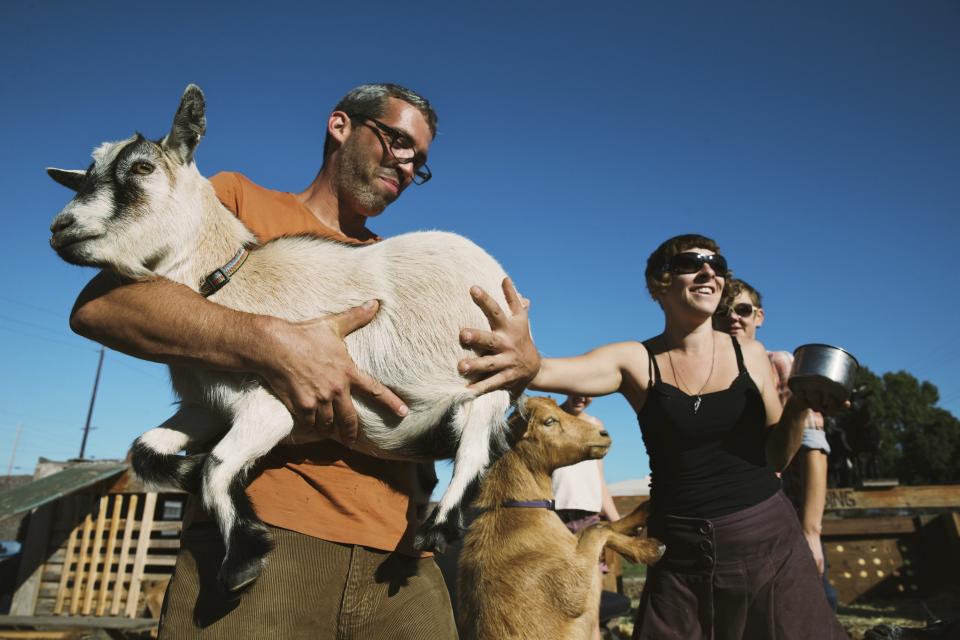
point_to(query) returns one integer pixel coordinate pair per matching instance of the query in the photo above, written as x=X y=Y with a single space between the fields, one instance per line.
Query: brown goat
x=522 y=574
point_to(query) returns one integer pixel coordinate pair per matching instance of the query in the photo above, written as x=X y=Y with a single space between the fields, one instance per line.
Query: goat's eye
x=549 y=422
x=141 y=168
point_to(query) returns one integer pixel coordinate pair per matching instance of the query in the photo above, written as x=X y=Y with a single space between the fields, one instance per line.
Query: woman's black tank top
x=711 y=462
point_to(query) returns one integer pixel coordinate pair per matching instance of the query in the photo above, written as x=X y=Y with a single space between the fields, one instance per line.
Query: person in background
x=805 y=481
x=580 y=490
x=736 y=565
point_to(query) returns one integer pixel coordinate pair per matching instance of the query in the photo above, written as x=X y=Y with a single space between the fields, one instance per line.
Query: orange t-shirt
x=324 y=489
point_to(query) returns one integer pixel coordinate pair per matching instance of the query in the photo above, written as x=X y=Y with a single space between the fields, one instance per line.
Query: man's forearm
x=166 y=322
x=815 y=491
x=786 y=436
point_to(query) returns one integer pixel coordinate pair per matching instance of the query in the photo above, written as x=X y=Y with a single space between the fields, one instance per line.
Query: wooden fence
x=880 y=542
x=99 y=556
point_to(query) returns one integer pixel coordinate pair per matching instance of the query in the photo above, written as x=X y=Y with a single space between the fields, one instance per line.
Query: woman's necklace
x=683 y=387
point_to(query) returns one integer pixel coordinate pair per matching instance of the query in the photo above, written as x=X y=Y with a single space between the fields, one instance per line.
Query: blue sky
x=818 y=142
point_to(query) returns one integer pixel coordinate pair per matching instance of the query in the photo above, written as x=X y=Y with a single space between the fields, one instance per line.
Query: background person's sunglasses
x=742 y=309
x=690 y=262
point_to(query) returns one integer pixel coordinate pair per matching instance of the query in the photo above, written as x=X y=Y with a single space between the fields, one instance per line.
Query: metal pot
x=823 y=369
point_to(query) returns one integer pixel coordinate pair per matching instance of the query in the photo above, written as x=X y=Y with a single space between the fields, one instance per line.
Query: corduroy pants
x=310 y=588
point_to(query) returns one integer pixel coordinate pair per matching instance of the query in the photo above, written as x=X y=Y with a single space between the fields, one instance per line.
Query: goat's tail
x=167 y=469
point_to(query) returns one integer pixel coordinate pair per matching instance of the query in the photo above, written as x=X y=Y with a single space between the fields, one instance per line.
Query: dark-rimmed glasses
x=690 y=262
x=742 y=309
x=399 y=146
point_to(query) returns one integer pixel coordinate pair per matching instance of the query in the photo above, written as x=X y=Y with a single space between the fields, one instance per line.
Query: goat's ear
x=70 y=178
x=521 y=404
x=189 y=125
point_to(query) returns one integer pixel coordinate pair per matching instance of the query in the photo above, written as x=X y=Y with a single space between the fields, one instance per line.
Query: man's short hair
x=659 y=278
x=371 y=100
x=734 y=288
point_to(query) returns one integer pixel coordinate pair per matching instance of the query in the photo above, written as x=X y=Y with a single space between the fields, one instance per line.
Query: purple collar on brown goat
x=541 y=504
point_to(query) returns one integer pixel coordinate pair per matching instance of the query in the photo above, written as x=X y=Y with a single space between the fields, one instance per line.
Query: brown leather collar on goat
x=522 y=574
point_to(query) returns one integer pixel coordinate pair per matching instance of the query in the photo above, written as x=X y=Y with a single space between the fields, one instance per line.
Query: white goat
x=143 y=210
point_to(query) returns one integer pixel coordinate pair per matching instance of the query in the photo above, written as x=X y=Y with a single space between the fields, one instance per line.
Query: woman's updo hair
x=658 y=276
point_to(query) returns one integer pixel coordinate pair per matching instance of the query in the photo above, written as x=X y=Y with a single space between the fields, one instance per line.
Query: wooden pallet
x=96 y=555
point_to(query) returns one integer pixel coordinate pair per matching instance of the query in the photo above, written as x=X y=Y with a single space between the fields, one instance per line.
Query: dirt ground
x=857 y=618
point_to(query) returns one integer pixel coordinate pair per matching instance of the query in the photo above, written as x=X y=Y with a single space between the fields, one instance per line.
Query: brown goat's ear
x=516 y=427
x=70 y=178
x=521 y=404
x=189 y=125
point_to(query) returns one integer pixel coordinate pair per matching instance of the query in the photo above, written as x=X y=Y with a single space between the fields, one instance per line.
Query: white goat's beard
x=358 y=177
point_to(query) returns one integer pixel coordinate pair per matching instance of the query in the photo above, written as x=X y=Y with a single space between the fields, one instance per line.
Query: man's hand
x=311 y=372
x=816 y=401
x=510 y=359
x=813 y=541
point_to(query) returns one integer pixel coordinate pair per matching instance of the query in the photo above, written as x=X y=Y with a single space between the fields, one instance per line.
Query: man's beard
x=358 y=178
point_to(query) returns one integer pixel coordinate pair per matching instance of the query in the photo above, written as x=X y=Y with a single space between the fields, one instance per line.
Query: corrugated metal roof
x=34 y=494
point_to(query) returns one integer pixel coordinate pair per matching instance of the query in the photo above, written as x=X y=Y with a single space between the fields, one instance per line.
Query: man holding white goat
x=344 y=565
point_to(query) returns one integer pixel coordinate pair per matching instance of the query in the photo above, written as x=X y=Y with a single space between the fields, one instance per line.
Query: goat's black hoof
x=246 y=556
x=235 y=576
x=436 y=536
x=430 y=541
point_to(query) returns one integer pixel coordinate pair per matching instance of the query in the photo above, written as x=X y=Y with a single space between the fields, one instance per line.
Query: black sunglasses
x=400 y=147
x=742 y=309
x=690 y=262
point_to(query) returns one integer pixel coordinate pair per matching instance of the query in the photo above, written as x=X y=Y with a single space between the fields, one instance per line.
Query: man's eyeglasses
x=400 y=147
x=742 y=309
x=690 y=262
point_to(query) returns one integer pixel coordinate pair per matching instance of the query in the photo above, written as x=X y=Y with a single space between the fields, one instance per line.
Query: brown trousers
x=748 y=575
x=310 y=588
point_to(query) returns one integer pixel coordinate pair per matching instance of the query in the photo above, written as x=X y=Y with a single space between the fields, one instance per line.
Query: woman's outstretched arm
x=597 y=373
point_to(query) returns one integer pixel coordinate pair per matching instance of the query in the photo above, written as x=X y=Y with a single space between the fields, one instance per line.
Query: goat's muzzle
x=60 y=223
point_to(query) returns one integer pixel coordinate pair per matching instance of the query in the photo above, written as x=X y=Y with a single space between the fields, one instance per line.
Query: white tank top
x=578 y=487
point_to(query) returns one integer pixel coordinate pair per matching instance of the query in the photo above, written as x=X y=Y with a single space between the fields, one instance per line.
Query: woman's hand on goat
x=312 y=374
x=510 y=359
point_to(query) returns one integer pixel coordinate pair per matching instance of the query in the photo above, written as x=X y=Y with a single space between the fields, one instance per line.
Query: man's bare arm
x=814 y=501
x=305 y=364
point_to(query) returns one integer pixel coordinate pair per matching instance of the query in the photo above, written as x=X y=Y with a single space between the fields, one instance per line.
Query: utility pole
x=13 y=454
x=93 y=398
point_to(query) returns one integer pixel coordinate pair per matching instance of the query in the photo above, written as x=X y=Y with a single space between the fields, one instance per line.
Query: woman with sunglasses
x=736 y=565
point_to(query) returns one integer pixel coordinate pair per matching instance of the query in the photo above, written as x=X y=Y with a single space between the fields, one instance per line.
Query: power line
x=46 y=339
x=20 y=414
x=32 y=324
x=29 y=432
x=28 y=305
x=122 y=363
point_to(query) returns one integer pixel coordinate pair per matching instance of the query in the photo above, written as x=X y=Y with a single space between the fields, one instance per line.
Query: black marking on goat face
x=129 y=195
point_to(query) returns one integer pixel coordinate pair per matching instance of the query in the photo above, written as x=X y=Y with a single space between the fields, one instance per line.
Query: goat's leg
x=260 y=422
x=481 y=424
x=591 y=541
x=634 y=520
x=426 y=482
x=625 y=541
x=636 y=549
x=155 y=454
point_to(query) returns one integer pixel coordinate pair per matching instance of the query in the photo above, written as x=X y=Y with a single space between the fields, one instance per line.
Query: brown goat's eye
x=549 y=422
x=141 y=168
